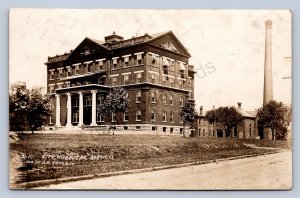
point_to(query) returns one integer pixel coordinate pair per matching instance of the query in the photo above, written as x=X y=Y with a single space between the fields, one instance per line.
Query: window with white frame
x=59 y=85
x=114 y=81
x=126 y=61
x=164 y=99
x=153 y=97
x=88 y=67
x=87 y=101
x=115 y=63
x=69 y=71
x=67 y=84
x=138 y=96
x=164 y=80
x=139 y=59
x=139 y=77
x=113 y=117
x=172 y=84
x=189 y=82
x=171 y=117
x=100 y=99
x=50 y=119
x=51 y=88
x=75 y=117
x=99 y=65
x=153 y=78
x=126 y=79
x=171 y=100
x=60 y=72
x=77 y=68
x=164 y=116
x=153 y=115
x=125 y=116
x=75 y=101
x=138 y=115
x=181 y=101
x=51 y=74
x=180 y=83
x=100 y=117
x=154 y=60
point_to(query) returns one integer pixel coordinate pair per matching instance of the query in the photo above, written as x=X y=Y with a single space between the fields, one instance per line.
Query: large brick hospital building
x=154 y=70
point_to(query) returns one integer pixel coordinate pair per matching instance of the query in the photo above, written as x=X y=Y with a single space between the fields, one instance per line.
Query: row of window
x=87 y=101
x=138 y=117
x=167 y=63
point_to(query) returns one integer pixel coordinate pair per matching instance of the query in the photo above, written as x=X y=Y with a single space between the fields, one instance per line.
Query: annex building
x=154 y=70
x=246 y=130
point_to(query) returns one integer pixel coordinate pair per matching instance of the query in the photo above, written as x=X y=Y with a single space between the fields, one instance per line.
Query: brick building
x=153 y=69
x=246 y=130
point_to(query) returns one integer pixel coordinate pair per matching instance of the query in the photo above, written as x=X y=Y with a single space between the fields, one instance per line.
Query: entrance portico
x=81 y=108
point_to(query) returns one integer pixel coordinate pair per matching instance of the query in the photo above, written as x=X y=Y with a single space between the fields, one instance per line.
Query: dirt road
x=272 y=171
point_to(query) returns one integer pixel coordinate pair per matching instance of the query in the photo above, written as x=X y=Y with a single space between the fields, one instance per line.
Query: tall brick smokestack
x=268 y=82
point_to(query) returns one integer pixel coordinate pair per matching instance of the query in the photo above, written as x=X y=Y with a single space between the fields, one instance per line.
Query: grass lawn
x=51 y=156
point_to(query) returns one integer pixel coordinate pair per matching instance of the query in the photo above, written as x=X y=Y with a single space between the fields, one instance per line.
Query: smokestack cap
x=268 y=24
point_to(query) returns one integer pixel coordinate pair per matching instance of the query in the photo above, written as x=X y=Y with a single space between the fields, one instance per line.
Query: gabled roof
x=162 y=34
x=250 y=114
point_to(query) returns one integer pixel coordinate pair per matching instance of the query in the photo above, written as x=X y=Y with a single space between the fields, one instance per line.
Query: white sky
x=231 y=41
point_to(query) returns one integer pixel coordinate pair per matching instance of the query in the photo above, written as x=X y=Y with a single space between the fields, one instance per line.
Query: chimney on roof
x=113 y=38
x=201 y=111
x=239 y=105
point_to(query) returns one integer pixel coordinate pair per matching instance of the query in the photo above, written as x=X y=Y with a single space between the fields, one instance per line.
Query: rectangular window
x=153 y=98
x=114 y=81
x=180 y=84
x=139 y=77
x=50 y=120
x=113 y=117
x=75 y=117
x=171 y=100
x=164 y=99
x=171 y=117
x=164 y=116
x=51 y=75
x=77 y=68
x=100 y=99
x=69 y=71
x=99 y=65
x=75 y=101
x=172 y=84
x=153 y=115
x=60 y=72
x=59 y=85
x=88 y=67
x=126 y=61
x=181 y=101
x=87 y=101
x=115 y=63
x=126 y=79
x=138 y=115
x=138 y=97
x=171 y=130
x=125 y=117
x=100 y=117
x=164 y=80
x=51 y=89
x=153 y=78
x=139 y=59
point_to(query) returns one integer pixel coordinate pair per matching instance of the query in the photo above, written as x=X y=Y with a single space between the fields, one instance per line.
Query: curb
x=41 y=183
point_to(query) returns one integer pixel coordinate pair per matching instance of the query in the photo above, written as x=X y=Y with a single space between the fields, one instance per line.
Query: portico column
x=80 y=109
x=69 y=109
x=57 y=110
x=94 y=123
